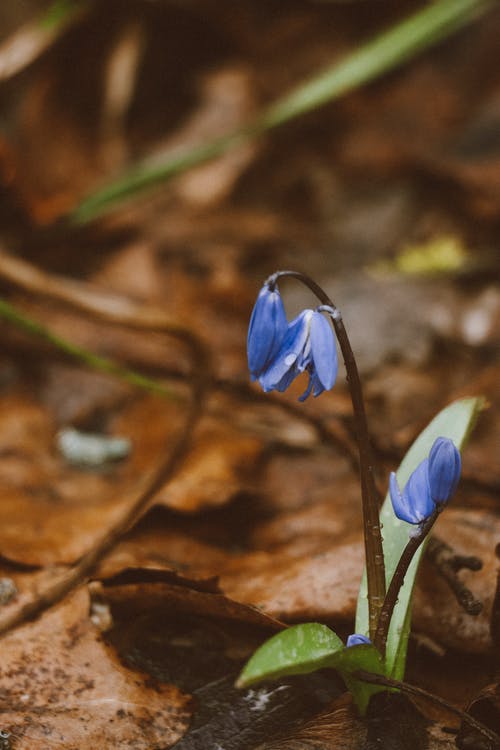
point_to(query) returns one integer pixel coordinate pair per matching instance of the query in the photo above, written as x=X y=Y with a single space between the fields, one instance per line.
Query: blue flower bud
x=267 y=329
x=431 y=484
x=415 y=503
x=444 y=469
x=356 y=639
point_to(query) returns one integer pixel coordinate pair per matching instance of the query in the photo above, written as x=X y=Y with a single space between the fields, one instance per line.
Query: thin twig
x=67 y=581
x=448 y=564
x=201 y=380
x=404 y=687
x=116 y=309
x=105 y=305
x=375 y=569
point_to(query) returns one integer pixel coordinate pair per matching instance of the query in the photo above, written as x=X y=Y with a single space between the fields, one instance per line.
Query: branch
x=448 y=564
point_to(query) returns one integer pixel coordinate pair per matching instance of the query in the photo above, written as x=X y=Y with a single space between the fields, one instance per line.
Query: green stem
x=19 y=319
x=385 y=52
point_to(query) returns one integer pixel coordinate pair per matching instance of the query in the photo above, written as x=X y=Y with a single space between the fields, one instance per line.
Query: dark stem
x=375 y=569
x=448 y=564
x=397 y=581
x=404 y=687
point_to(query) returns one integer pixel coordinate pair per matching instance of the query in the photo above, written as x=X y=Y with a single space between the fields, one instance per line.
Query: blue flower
x=356 y=639
x=431 y=484
x=267 y=329
x=308 y=346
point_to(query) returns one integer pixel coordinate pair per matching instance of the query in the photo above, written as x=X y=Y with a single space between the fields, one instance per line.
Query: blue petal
x=285 y=381
x=414 y=504
x=267 y=329
x=417 y=494
x=323 y=351
x=444 y=469
x=283 y=368
x=308 y=390
x=356 y=639
x=401 y=511
x=314 y=384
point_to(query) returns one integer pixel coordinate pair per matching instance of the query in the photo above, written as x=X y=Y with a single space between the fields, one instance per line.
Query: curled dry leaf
x=62 y=687
x=286 y=585
x=485 y=708
x=145 y=597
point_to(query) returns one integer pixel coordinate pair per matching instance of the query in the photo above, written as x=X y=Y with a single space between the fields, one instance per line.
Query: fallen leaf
x=63 y=687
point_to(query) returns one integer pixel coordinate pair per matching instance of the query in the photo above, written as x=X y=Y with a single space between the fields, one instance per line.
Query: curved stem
x=398 y=579
x=404 y=687
x=373 y=539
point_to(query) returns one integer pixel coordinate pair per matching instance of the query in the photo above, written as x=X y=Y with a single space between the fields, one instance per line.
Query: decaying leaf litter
x=260 y=509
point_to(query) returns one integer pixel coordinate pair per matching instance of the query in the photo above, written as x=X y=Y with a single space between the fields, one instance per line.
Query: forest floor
x=138 y=574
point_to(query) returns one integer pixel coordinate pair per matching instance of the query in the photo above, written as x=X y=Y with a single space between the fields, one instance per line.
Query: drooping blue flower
x=308 y=345
x=445 y=465
x=267 y=329
x=431 y=484
x=356 y=639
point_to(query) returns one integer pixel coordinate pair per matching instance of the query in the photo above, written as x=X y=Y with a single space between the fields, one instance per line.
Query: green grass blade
x=94 y=361
x=455 y=422
x=61 y=12
x=383 y=53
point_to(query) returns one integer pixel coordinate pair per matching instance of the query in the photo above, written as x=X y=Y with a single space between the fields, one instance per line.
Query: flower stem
x=397 y=581
x=405 y=687
x=372 y=536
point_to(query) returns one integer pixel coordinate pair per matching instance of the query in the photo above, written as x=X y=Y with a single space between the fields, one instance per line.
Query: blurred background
x=158 y=160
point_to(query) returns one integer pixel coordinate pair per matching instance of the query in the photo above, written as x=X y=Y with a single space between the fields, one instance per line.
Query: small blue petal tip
x=356 y=639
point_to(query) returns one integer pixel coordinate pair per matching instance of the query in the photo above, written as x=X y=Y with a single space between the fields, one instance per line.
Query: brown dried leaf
x=63 y=687
x=339 y=728
x=221 y=460
x=52 y=512
x=146 y=597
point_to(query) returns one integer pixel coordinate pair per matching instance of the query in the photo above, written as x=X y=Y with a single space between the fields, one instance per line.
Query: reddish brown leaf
x=63 y=687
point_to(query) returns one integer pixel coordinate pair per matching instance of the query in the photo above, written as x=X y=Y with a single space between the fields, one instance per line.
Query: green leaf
x=351 y=659
x=305 y=648
x=455 y=422
x=296 y=650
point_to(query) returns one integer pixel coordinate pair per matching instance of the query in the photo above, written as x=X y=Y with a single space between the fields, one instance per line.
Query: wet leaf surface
x=61 y=685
